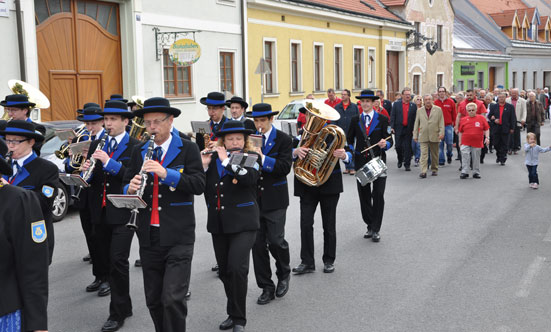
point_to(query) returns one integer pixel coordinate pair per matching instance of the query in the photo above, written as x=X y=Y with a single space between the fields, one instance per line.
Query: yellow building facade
x=310 y=50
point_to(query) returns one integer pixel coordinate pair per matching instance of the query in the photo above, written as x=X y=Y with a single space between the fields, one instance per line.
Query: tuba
x=322 y=140
x=138 y=130
x=35 y=95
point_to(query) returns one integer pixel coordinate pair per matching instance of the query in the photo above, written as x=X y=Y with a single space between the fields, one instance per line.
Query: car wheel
x=61 y=204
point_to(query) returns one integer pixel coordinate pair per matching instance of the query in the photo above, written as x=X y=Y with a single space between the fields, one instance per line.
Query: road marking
x=547 y=237
x=529 y=276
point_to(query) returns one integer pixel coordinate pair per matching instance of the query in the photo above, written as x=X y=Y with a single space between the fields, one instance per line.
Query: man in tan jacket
x=429 y=131
x=520 y=110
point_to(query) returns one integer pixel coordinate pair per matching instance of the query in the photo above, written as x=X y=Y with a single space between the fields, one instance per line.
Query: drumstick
x=374 y=145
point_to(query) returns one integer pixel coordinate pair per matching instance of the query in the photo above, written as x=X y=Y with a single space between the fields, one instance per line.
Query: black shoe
x=239 y=328
x=399 y=164
x=441 y=164
x=423 y=175
x=86 y=258
x=282 y=287
x=463 y=176
x=227 y=324
x=94 y=286
x=328 y=268
x=434 y=173
x=104 y=289
x=214 y=268
x=368 y=234
x=188 y=295
x=449 y=160
x=482 y=161
x=303 y=268
x=112 y=325
x=138 y=263
x=408 y=168
x=376 y=237
x=476 y=176
x=457 y=158
x=266 y=297
x=502 y=163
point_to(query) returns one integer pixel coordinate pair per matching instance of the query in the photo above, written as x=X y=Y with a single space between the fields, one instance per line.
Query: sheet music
x=200 y=127
x=79 y=147
x=256 y=140
x=290 y=128
x=243 y=159
x=65 y=134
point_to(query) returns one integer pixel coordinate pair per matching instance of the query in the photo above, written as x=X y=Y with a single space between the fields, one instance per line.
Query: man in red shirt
x=448 y=109
x=470 y=97
x=332 y=99
x=472 y=130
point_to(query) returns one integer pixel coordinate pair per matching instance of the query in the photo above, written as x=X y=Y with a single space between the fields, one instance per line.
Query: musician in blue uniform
x=111 y=238
x=166 y=228
x=30 y=171
x=231 y=194
x=365 y=130
x=216 y=105
x=23 y=258
x=19 y=107
x=273 y=200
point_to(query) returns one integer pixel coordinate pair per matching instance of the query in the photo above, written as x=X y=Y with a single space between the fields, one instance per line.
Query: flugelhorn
x=138 y=130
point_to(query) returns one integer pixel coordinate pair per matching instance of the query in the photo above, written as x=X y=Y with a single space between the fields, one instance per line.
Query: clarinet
x=88 y=173
x=133 y=223
x=8 y=157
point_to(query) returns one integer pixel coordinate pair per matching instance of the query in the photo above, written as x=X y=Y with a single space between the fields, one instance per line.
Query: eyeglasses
x=15 y=141
x=155 y=122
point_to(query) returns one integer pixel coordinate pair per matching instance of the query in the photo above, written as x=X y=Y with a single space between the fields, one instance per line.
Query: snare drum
x=371 y=171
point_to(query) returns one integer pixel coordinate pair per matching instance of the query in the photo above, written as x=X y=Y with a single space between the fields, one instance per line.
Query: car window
x=51 y=145
x=289 y=112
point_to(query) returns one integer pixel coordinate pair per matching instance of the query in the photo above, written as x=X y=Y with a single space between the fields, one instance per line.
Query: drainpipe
x=243 y=50
x=22 y=70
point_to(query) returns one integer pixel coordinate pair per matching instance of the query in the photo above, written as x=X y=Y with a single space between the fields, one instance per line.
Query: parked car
x=290 y=112
x=63 y=199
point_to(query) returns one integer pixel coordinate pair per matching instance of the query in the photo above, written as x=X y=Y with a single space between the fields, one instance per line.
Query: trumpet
x=63 y=151
x=133 y=222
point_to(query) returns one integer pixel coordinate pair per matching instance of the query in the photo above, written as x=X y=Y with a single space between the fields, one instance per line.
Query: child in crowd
x=532 y=153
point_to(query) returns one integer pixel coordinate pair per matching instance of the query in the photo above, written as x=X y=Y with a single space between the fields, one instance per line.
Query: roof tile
x=373 y=7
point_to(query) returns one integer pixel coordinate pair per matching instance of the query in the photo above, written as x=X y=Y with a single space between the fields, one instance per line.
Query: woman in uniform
x=233 y=216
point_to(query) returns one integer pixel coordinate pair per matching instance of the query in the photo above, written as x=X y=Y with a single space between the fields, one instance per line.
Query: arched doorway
x=79 y=54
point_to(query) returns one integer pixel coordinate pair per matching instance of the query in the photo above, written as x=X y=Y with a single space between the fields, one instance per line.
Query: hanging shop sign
x=184 y=52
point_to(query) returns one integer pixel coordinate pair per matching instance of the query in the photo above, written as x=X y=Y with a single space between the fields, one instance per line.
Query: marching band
x=138 y=174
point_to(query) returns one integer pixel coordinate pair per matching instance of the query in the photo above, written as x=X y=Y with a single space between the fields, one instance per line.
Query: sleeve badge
x=48 y=191
x=38 y=231
x=389 y=130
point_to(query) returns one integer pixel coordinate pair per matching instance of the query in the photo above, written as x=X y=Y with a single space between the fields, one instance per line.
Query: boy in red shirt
x=472 y=129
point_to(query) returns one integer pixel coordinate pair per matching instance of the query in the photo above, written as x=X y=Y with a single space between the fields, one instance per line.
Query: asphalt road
x=455 y=255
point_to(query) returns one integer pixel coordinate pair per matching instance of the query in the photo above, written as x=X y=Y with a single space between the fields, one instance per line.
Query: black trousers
x=166 y=273
x=403 y=149
x=233 y=253
x=308 y=205
x=270 y=239
x=514 y=140
x=501 y=143
x=119 y=279
x=101 y=239
x=87 y=229
x=372 y=203
x=534 y=128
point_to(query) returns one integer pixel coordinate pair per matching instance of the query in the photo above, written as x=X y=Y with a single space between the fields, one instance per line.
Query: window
x=269 y=56
x=226 y=72
x=480 y=80
x=547 y=36
x=439 y=81
x=515 y=32
x=535 y=80
x=523 y=80
x=534 y=30
x=460 y=85
x=318 y=67
x=470 y=84
x=296 y=61
x=523 y=33
x=439 y=36
x=416 y=84
x=371 y=68
x=338 y=68
x=177 y=79
x=417 y=32
x=358 y=67
x=514 y=79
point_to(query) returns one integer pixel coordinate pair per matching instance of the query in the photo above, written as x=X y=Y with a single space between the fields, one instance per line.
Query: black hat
x=233 y=127
x=367 y=94
x=5 y=168
x=214 y=99
x=22 y=128
x=88 y=105
x=116 y=107
x=237 y=100
x=90 y=114
x=156 y=105
x=260 y=110
x=19 y=101
x=117 y=97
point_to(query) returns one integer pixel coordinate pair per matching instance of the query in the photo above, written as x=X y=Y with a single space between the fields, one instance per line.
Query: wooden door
x=491 y=78
x=392 y=73
x=79 y=54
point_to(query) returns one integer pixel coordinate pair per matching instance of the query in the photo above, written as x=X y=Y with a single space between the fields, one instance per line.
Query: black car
x=63 y=199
